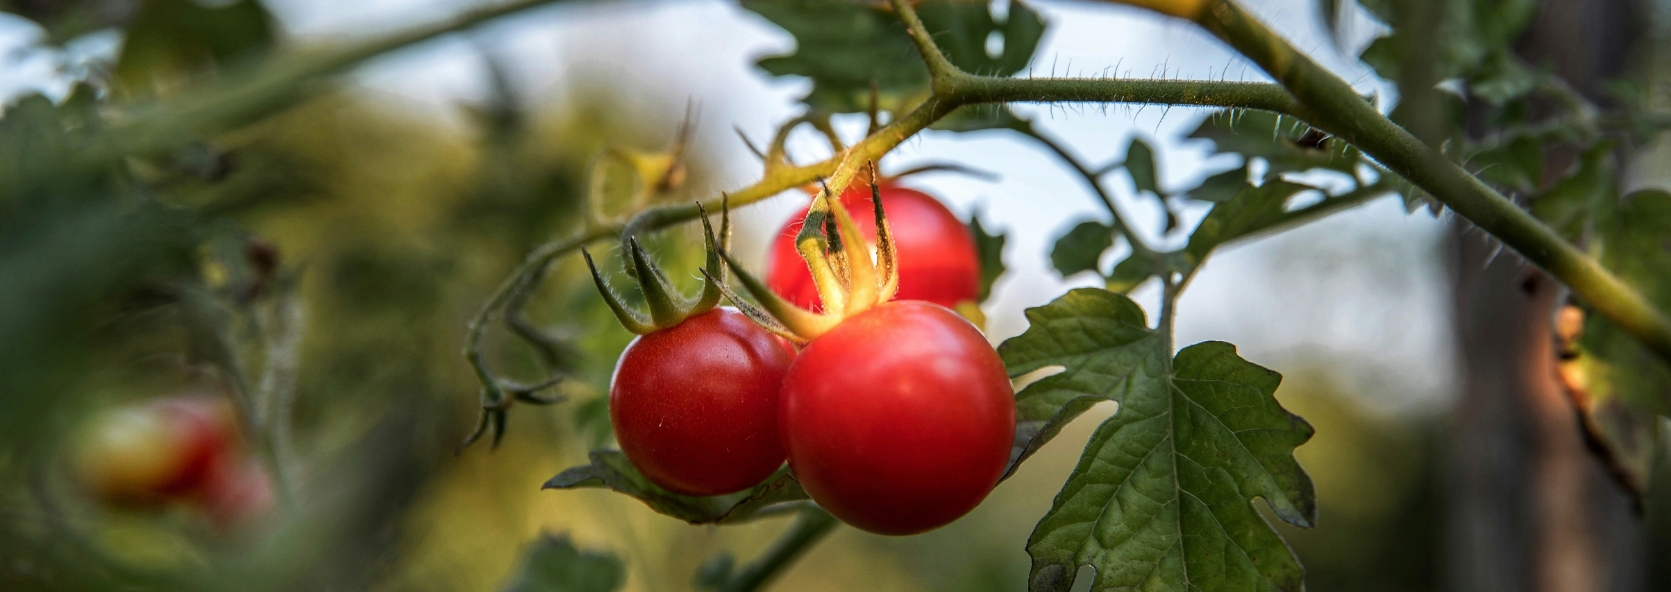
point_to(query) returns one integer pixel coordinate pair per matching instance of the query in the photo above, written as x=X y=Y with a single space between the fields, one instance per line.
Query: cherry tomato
x=936 y=254
x=899 y=420
x=695 y=405
x=236 y=492
x=161 y=450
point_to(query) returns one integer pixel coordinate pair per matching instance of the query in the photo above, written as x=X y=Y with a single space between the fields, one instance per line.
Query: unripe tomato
x=936 y=254
x=160 y=450
x=695 y=405
x=899 y=420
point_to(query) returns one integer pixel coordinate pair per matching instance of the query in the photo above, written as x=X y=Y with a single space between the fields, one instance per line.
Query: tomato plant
x=899 y=420
x=156 y=451
x=695 y=405
x=937 y=258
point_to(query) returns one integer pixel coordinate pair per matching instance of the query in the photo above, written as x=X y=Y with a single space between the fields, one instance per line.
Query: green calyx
x=667 y=306
x=849 y=282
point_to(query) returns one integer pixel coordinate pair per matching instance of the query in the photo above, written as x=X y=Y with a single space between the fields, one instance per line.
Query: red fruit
x=161 y=450
x=900 y=419
x=936 y=254
x=695 y=405
x=236 y=492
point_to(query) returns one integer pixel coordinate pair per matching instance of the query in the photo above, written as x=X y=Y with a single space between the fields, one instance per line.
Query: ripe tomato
x=936 y=254
x=898 y=420
x=150 y=453
x=236 y=492
x=695 y=405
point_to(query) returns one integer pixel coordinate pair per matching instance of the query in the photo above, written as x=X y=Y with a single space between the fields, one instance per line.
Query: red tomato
x=695 y=405
x=900 y=419
x=236 y=492
x=150 y=453
x=937 y=259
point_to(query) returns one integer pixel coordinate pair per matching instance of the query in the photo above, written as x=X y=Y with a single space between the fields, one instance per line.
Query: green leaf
x=1129 y=273
x=1572 y=205
x=1621 y=386
x=990 y=249
x=1252 y=209
x=1273 y=138
x=846 y=46
x=1516 y=165
x=1162 y=497
x=553 y=564
x=1221 y=187
x=610 y=469
x=1081 y=248
x=1502 y=78
x=1140 y=164
x=173 y=39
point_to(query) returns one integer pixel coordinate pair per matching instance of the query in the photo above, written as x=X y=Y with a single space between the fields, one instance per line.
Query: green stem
x=812 y=525
x=1337 y=108
x=1094 y=181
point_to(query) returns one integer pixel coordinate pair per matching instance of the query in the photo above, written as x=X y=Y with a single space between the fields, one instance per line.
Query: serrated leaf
x=610 y=469
x=1272 y=137
x=846 y=46
x=1618 y=385
x=1140 y=165
x=553 y=564
x=1252 y=209
x=1221 y=187
x=989 y=248
x=1082 y=247
x=1162 y=497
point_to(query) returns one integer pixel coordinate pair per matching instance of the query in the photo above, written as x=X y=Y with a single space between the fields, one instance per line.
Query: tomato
x=936 y=254
x=157 y=451
x=236 y=492
x=900 y=419
x=695 y=405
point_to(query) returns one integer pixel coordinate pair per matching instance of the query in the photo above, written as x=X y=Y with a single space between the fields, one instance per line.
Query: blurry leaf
x=553 y=564
x=845 y=46
x=1334 y=14
x=1140 y=164
x=1574 y=202
x=1516 y=165
x=1221 y=187
x=1383 y=56
x=1081 y=248
x=1272 y=137
x=611 y=469
x=1129 y=273
x=1252 y=209
x=170 y=40
x=1618 y=385
x=1503 y=78
x=1163 y=497
x=970 y=118
x=990 y=249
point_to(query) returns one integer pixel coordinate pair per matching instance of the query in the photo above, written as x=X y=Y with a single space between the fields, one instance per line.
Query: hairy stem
x=809 y=528
x=1331 y=104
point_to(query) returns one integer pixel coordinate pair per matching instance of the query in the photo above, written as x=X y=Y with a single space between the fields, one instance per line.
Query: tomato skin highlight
x=937 y=258
x=900 y=420
x=695 y=406
x=148 y=454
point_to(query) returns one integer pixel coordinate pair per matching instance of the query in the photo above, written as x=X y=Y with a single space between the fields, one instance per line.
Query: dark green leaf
x=1588 y=193
x=1502 y=78
x=962 y=28
x=1129 y=273
x=172 y=39
x=611 y=469
x=1383 y=56
x=1516 y=165
x=990 y=249
x=1272 y=137
x=1081 y=248
x=1221 y=187
x=1252 y=209
x=553 y=564
x=1162 y=498
x=1140 y=164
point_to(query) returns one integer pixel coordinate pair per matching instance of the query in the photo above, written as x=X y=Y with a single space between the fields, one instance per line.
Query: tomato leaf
x=1575 y=202
x=1276 y=139
x=1140 y=164
x=171 y=39
x=990 y=249
x=1082 y=247
x=1618 y=385
x=553 y=564
x=1221 y=187
x=1162 y=498
x=611 y=469
x=1252 y=209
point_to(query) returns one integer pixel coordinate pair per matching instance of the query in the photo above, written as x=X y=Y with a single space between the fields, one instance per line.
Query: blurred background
x=370 y=221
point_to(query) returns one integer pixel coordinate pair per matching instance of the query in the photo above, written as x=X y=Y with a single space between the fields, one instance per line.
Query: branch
x=1331 y=104
x=1094 y=181
x=812 y=525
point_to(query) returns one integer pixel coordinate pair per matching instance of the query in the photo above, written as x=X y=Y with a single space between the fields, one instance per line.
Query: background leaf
x=611 y=469
x=990 y=249
x=1252 y=209
x=1081 y=247
x=553 y=564
x=1140 y=164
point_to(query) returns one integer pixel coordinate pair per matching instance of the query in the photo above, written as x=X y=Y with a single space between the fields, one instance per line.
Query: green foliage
x=1221 y=187
x=1573 y=203
x=1276 y=139
x=1080 y=248
x=847 y=47
x=990 y=249
x=611 y=469
x=1162 y=498
x=172 y=39
x=1251 y=210
x=553 y=564
x=1140 y=164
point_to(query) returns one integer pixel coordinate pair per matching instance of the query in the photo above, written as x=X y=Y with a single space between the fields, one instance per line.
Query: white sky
x=1360 y=294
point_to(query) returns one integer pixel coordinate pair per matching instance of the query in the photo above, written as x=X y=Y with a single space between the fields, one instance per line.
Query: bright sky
x=1361 y=294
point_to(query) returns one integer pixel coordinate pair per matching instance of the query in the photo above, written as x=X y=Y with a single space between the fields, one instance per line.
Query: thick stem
x=1334 y=106
x=811 y=526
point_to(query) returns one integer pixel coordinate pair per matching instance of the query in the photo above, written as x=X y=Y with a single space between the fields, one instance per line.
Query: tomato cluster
x=174 y=449
x=897 y=416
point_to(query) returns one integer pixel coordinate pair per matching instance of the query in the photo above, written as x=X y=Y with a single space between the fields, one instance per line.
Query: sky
x=1361 y=295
